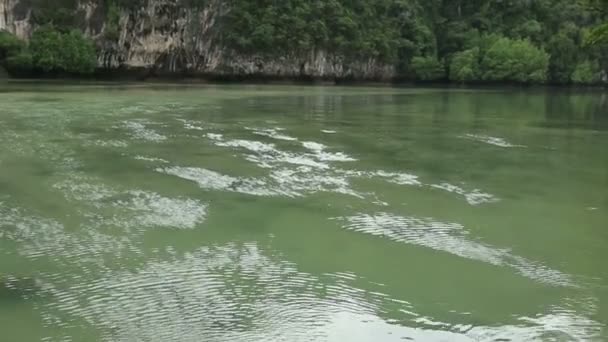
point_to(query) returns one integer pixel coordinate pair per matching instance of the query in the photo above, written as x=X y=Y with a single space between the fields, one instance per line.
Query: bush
x=465 y=66
x=56 y=52
x=14 y=56
x=9 y=45
x=20 y=63
x=428 y=68
x=587 y=73
x=515 y=61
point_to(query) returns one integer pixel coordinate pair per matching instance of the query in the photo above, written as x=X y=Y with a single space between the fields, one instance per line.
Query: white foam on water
x=253 y=146
x=206 y=179
x=500 y=142
x=267 y=156
x=475 y=197
x=314 y=146
x=211 y=180
x=191 y=125
x=320 y=152
x=81 y=189
x=327 y=131
x=271 y=133
x=111 y=143
x=334 y=156
x=154 y=210
x=280 y=182
x=215 y=136
x=304 y=180
x=140 y=131
x=451 y=238
x=135 y=208
x=299 y=159
x=151 y=159
x=400 y=178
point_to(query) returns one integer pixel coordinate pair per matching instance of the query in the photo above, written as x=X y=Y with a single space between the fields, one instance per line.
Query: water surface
x=285 y=213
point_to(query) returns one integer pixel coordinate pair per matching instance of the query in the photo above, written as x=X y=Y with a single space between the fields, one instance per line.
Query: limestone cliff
x=163 y=37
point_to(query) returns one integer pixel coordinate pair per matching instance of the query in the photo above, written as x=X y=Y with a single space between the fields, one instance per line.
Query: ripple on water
x=151 y=159
x=281 y=182
x=191 y=125
x=273 y=133
x=141 y=132
x=266 y=155
x=134 y=208
x=235 y=292
x=474 y=197
x=451 y=238
x=44 y=238
x=500 y=142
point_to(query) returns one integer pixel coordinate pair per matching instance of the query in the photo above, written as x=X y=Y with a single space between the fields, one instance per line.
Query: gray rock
x=165 y=39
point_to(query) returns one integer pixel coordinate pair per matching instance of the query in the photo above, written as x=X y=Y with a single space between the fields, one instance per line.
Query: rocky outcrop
x=163 y=37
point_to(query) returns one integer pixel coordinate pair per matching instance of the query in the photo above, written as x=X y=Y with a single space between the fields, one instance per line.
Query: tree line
x=465 y=41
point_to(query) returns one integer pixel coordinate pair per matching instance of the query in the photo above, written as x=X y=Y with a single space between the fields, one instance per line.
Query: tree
x=14 y=56
x=56 y=52
x=564 y=58
x=465 y=66
x=9 y=45
x=586 y=72
x=428 y=68
x=515 y=60
x=599 y=34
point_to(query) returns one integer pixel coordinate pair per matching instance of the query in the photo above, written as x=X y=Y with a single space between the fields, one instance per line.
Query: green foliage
x=598 y=36
x=14 y=55
x=465 y=66
x=527 y=41
x=59 y=13
x=564 y=57
x=428 y=68
x=515 y=60
x=20 y=63
x=57 y=52
x=9 y=45
x=112 y=21
x=586 y=72
x=351 y=28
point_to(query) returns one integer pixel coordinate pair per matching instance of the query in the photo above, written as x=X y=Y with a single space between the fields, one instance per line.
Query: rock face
x=164 y=38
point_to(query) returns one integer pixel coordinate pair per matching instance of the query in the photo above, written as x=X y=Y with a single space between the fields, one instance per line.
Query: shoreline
x=115 y=77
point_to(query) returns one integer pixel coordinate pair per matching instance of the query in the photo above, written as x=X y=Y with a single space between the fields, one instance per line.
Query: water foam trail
x=273 y=133
x=500 y=142
x=152 y=159
x=134 y=208
x=141 y=132
x=268 y=156
x=191 y=125
x=450 y=238
x=281 y=182
x=474 y=197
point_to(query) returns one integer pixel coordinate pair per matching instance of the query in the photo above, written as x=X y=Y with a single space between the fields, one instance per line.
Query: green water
x=271 y=213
